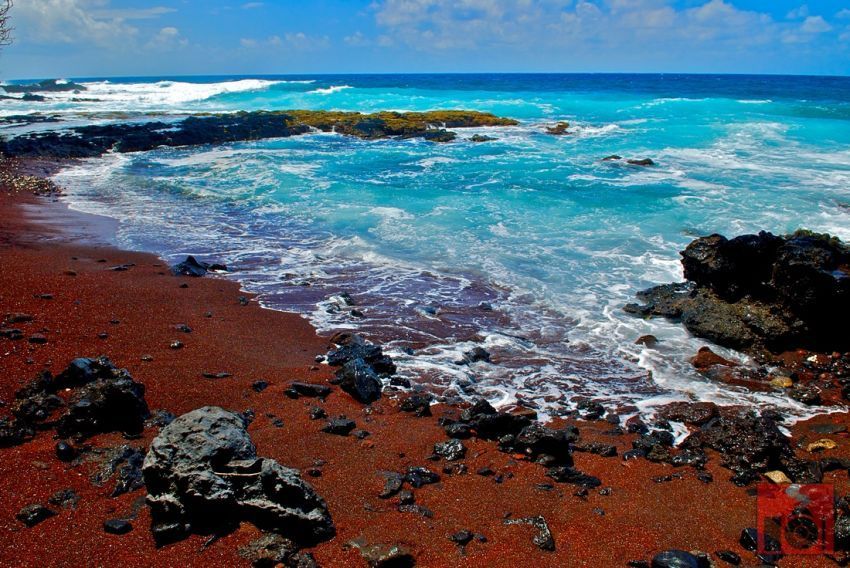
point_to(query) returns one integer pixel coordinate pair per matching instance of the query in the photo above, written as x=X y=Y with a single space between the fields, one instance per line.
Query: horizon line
x=425 y=73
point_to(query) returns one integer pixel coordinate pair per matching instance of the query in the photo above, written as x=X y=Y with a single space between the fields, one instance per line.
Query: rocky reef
x=96 y=140
x=760 y=292
x=46 y=86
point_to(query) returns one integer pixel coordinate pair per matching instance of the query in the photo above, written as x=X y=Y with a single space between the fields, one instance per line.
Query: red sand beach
x=45 y=249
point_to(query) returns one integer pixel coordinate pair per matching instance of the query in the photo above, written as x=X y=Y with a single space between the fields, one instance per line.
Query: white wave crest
x=330 y=90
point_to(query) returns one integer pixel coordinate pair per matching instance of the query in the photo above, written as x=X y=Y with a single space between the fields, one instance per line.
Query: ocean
x=528 y=245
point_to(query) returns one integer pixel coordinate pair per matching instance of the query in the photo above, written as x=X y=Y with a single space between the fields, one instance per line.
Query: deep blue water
x=537 y=226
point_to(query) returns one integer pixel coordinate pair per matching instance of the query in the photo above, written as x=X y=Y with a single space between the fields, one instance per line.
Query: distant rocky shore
x=96 y=140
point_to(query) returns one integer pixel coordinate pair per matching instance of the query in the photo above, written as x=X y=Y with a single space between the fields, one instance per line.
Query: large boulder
x=760 y=291
x=203 y=475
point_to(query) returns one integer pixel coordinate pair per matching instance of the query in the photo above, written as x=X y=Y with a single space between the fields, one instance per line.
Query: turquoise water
x=534 y=225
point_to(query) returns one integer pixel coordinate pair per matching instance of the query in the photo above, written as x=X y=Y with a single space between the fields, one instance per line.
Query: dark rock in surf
x=193 y=267
x=559 y=129
x=760 y=292
x=692 y=413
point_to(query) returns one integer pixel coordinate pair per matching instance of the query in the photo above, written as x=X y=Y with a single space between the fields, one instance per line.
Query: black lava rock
x=421 y=476
x=728 y=557
x=678 y=559
x=117 y=526
x=192 y=267
x=760 y=291
x=203 y=475
x=340 y=426
x=566 y=474
x=458 y=430
x=358 y=378
x=31 y=515
x=310 y=389
x=106 y=405
x=462 y=538
x=393 y=485
x=418 y=404
x=451 y=450
x=65 y=451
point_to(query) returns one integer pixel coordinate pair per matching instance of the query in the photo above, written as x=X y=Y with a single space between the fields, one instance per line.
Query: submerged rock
x=203 y=475
x=559 y=129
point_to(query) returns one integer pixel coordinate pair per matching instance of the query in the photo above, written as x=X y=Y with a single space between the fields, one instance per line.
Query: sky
x=109 y=38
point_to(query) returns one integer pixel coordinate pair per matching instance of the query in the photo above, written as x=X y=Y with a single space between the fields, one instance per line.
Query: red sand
x=640 y=518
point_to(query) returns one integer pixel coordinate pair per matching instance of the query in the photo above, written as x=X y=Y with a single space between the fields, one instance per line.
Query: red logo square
x=796 y=519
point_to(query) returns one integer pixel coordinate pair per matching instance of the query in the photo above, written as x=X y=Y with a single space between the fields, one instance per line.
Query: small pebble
x=65 y=451
x=117 y=526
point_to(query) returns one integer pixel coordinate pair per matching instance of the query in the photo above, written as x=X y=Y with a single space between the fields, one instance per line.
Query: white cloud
x=298 y=41
x=68 y=21
x=798 y=13
x=815 y=25
x=357 y=39
x=93 y=22
x=252 y=5
x=167 y=38
x=843 y=14
x=131 y=13
x=547 y=24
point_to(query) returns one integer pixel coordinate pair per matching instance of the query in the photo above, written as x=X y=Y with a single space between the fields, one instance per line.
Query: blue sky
x=197 y=37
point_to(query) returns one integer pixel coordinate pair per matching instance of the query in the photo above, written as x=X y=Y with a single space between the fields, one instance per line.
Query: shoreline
x=251 y=343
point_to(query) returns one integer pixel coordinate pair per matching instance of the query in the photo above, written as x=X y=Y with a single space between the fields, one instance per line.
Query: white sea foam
x=164 y=93
x=331 y=90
